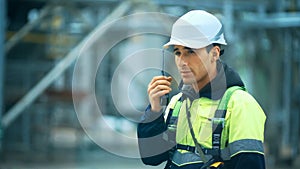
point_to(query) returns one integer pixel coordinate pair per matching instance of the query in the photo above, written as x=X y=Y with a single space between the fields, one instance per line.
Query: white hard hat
x=196 y=29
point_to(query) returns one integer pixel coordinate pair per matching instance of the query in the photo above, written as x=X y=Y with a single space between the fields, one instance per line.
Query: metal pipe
x=278 y=20
x=286 y=133
x=25 y=29
x=2 y=60
x=66 y=62
x=208 y=4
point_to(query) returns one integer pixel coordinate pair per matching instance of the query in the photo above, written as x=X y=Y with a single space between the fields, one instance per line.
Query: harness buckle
x=217 y=121
x=197 y=151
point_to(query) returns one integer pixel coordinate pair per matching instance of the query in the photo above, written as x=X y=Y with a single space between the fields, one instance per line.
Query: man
x=187 y=133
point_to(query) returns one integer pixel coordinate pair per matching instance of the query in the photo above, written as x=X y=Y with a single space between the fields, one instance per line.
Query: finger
x=160 y=84
x=163 y=87
x=160 y=88
x=159 y=94
x=156 y=78
x=169 y=78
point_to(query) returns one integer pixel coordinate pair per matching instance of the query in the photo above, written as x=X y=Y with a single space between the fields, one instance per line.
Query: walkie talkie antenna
x=163 y=63
x=165 y=98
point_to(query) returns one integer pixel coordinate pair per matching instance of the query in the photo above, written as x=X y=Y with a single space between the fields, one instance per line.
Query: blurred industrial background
x=58 y=57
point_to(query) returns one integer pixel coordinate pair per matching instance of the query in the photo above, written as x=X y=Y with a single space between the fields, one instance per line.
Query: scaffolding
x=273 y=21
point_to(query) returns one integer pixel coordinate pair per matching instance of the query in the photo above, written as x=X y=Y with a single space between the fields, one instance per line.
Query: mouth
x=185 y=73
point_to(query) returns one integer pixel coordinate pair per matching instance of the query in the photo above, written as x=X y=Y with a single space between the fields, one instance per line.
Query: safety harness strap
x=193 y=149
x=170 y=134
x=218 y=121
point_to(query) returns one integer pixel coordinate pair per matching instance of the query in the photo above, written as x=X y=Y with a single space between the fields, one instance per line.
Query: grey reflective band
x=246 y=145
x=218 y=35
x=240 y=146
x=185 y=158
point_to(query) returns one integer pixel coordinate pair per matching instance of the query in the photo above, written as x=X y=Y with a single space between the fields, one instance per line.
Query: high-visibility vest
x=212 y=122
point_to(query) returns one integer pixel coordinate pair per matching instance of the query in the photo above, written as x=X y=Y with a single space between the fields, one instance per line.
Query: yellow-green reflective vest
x=243 y=128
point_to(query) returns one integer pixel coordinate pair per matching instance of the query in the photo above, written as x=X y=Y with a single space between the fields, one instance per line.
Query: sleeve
x=153 y=148
x=246 y=161
x=246 y=131
x=247 y=119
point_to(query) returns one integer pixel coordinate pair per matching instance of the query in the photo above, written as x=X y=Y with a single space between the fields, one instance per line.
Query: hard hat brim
x=186 y=43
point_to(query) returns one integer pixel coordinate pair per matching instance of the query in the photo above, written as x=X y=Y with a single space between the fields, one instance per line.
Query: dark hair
x=216 y=44
x=209 y=47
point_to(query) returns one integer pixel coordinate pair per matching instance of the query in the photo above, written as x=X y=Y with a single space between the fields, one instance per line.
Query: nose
x=181 y=60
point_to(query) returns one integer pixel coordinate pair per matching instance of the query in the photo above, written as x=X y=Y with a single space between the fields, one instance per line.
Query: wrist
x=156 y=109
x=151 y=116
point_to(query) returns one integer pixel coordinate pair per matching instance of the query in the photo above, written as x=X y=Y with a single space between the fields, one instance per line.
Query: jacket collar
x=216 y=88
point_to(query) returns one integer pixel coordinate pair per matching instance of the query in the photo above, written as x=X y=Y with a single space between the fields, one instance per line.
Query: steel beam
x=278 y=20
x=66 y=62
x=25 y=29
x=239 y=5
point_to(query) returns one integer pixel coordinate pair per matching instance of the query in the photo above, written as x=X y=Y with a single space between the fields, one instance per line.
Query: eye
x=191 y=51
x=177 y=53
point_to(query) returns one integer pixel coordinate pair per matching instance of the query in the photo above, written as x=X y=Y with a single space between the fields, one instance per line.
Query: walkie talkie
x=164 y=100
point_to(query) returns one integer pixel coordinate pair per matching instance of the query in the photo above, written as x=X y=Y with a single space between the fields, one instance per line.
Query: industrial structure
x=74 y=73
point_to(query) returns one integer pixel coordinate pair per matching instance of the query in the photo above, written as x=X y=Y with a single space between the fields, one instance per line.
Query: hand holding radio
x=157 y=88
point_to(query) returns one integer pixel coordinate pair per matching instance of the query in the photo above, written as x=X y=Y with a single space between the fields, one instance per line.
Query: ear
x=215 y=53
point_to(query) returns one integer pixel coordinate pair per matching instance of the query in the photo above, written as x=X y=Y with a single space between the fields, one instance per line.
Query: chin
x=188 y=81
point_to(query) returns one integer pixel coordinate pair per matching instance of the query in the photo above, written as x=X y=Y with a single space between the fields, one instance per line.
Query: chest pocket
x=202 y=111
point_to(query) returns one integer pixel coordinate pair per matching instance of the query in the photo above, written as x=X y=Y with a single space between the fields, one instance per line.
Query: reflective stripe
x=246 y=145
x=172 y=104
x=184 y=158
x=241 y=146
x=225 y=153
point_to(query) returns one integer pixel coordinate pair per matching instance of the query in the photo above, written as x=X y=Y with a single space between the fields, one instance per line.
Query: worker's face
x=195 y=65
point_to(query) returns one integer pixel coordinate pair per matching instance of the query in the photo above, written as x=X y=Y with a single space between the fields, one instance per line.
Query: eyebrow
x=187 y=48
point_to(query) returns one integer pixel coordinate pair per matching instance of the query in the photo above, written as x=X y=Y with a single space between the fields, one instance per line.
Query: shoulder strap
x=226 y=97
x=172 y=118
x=171 y=122
x=174 y=109
x=218 y=123
x=172 y=106
x=219 y=119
